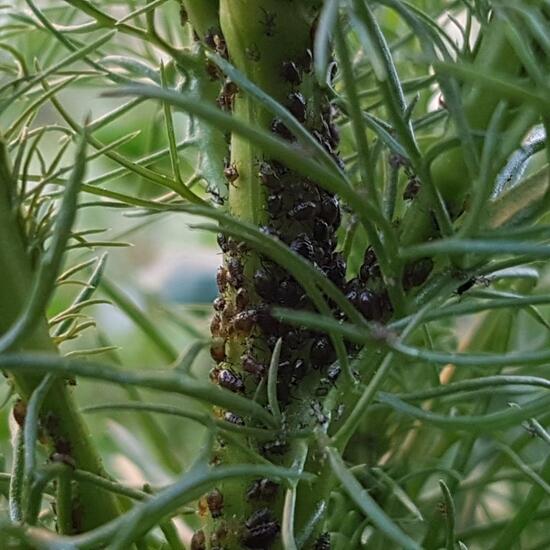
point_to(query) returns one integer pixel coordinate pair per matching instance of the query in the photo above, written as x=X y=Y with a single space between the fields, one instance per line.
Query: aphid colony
x=305 y=217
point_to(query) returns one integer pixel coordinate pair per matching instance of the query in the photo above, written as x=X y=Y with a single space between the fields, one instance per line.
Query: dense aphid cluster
x=306 y=217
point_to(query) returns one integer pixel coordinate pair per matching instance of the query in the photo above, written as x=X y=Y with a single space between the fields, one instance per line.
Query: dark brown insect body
x=261 y=529
x=297 y=105
x=214 y=500
x=198 y=541
x=231 y=173
x=280 y=128
x=233 y=418
x=230 y=380
x=222 y=278
x=290 y=72
x=262 y=489
x=217 y=350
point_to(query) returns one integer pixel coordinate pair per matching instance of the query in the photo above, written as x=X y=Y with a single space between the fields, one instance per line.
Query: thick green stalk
x=202 y=14
x=263 y=38
x=60 y=418
x=450 y=171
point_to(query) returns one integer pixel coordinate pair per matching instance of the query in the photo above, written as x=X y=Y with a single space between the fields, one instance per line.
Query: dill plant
x=376 y=174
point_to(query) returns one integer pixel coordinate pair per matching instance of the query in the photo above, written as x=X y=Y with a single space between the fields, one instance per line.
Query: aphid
x=241 y=299
x=268 y=22
x=220 y=45
x=213 y=71
x=217 y=349
x=253 y=366
x=417 y=272
x=330 y=210
x=265 y=284
x=284 y=367
x=214 y=500
x=369 y=305
x=321 y=230
x=244 y=321
x=353 y=288
x=333 y=373
x=306 y=61
x=289 y=293
x=336 y=269
x=269 y=176
x=324 y=140
x=222 y=278
x=412 y=189
x=198 y=541
x=321 y=352
x=302 y=246
x=280 y=128
x=275 y=204
x=290 y=72
x=280 y=169
x=219 y=303
x=209 y=37
x=299 y=370
x=397 y=161
x=276 y=447
x=213 y=374
x=297 y=105
x=333 y=135
x=231 y=173
x=267 y=323
x=230 y=380
x=323 y=542
x=370 y=268
x=235 y=272
x=369 y=258
x=263 y=515
x=317 y=411
x=261 y=536
x=268 y=230
x=223 y=242
x=216 y=196
x=262 y=489
x=233 y=418
x=227 y=315
x=303 y=211
x=184 y=17
x=323 y=389
x=216 y=325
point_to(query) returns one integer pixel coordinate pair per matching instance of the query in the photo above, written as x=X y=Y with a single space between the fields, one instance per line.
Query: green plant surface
x=367 y=183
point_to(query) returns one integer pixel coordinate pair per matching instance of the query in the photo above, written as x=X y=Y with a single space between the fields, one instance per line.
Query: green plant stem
x=64 y=505
x=65 y=423
x=203 y=15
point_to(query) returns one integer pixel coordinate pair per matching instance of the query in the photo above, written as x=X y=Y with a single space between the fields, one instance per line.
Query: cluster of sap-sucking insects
x=306 y=218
